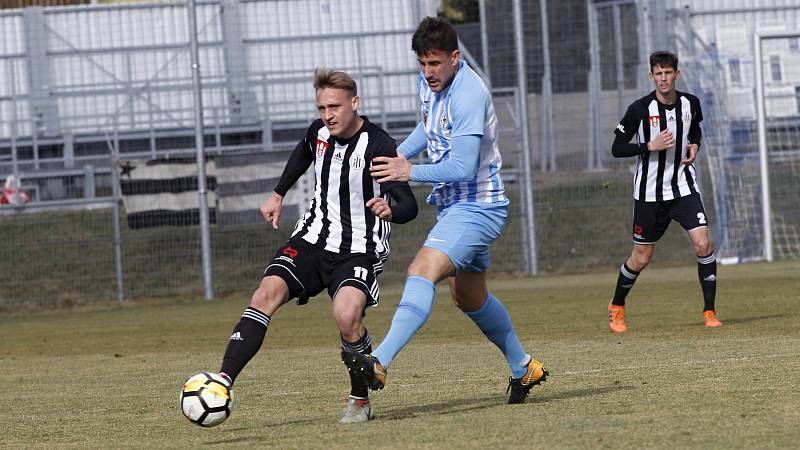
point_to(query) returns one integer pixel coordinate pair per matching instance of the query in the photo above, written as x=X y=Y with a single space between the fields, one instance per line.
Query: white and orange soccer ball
x=206 y=399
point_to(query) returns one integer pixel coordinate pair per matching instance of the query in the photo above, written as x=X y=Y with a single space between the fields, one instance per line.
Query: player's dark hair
x=336 y=79
x=663 y=58
x=434 y=33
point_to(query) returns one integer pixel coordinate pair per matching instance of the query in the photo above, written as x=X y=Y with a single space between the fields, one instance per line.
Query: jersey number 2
x=701 y=218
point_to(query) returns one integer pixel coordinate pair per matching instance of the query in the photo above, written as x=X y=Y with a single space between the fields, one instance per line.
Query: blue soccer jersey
x=465 y=108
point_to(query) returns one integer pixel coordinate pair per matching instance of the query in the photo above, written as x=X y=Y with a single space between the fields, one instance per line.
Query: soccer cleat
x=616 y=319
x=367 y=366
x=357 y=410
x=518 y=388
x=710 y=319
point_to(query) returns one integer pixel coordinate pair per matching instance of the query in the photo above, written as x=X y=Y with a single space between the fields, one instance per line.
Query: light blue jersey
x=459 y=131
x=465 y=108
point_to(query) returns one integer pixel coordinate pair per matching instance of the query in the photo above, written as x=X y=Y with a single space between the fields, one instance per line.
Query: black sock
x=246 y=340
x=707 y=272
x=627 y=277
x=358 y=388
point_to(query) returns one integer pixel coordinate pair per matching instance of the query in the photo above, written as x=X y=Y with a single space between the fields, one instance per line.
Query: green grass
x=109 y=377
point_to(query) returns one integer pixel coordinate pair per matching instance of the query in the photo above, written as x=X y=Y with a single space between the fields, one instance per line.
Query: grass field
x=109 y=377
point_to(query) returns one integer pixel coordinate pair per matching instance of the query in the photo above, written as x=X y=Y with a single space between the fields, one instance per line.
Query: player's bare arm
x=691 y=154
x=385 y=169
x=662 y=141
x=271 y=209
x=380 y=208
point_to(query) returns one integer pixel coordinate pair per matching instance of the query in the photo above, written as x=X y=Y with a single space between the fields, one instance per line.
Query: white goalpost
x=761 y=121
x=752 y=109
x=779 y=103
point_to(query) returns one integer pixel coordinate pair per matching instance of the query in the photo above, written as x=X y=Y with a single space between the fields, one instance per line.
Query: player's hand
x=271 y=209
x=662 y=141
x=691 y=153
x=385 y=168
x=380 y=208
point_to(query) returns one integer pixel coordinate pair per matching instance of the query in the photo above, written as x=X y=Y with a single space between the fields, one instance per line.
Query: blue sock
x=495 y=323
x=413 y=310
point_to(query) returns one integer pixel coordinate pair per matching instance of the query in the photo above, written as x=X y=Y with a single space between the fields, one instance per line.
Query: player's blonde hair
x=335 y=79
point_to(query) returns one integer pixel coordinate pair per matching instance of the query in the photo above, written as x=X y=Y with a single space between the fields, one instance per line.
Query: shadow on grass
x=739 y=320
x=441 y=408
x=577 y=393
x=458 y=406
x=239 y=439
x=755 y=318
x=259 y=438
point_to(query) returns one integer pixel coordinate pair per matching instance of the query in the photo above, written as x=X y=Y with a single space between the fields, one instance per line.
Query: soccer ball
x=206 y=399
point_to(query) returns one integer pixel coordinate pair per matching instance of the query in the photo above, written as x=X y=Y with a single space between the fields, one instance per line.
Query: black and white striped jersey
x=661 y=175
x=337 y=218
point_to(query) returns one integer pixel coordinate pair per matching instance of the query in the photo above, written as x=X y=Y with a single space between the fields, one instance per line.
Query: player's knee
x=703 y=247
x=640 y=260
x=347 y=319
x=415 y=269
x=348 y=326
x=458 y=301
x=269 y=296
x=460 y=298
x=469 y=302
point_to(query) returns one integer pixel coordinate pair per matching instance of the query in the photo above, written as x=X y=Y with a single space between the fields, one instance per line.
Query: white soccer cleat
x=357 y=410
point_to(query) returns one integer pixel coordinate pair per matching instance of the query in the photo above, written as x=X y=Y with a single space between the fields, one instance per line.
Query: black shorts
x=651 y=219
x=308 y=270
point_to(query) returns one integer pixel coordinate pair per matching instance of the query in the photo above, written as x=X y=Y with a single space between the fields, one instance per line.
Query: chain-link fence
x=83 y=86
x=98 y=121
x=587 y=60
x=584 y=66
x=721 y=53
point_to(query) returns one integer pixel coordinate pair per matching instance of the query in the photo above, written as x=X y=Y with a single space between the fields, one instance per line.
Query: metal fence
x=83 y=86
x=587 y=60
x=723 y=58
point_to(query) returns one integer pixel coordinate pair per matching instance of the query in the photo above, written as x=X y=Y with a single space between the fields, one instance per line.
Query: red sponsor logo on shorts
x=637 y=231
x=290 y=252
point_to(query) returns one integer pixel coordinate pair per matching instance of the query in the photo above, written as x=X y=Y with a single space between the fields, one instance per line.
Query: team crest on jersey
x=685 y=117
x=356 y=162
x=443 y=120
x=655 y=121
x=322 y=147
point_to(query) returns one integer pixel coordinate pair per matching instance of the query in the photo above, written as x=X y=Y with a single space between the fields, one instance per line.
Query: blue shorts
x=465 y=231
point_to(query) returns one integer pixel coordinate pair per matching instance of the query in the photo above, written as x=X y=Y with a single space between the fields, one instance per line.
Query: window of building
x=797 y=97
x=794 y=45
x=735 y=70
x=775 y=67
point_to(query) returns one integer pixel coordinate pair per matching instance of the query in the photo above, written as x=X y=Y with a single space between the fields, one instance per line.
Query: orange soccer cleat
x=710 y=319
x=616 y=318
x=519 y=388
